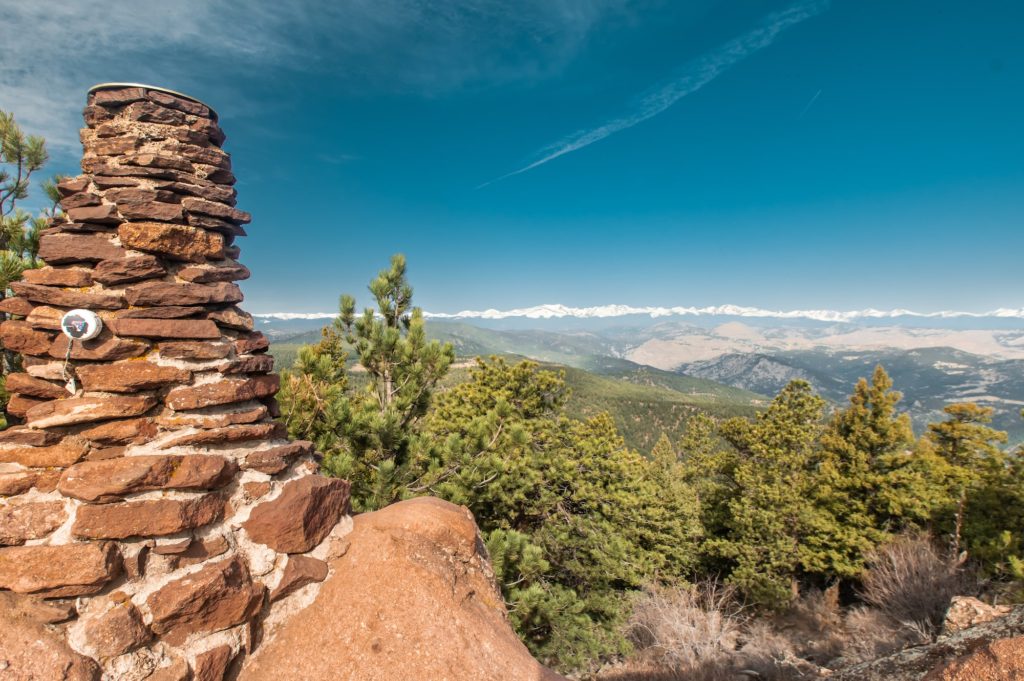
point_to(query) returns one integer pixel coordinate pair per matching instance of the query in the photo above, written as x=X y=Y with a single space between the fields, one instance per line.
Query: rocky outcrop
x=967 y=611
x=151 y=511
x=411 y=597
x=993 y=651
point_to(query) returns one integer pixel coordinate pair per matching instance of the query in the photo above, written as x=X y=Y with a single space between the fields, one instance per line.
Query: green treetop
x=861 y=445
x=970 y=449
x=365 y=422
x=773 y=523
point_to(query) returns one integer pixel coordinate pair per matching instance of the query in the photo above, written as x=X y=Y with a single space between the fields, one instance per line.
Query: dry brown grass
x=871 y=634
x=912 y=581
x=688 y=633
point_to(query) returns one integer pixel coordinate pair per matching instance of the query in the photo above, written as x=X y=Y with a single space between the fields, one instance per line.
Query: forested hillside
x=643 y=401
x=765 y=525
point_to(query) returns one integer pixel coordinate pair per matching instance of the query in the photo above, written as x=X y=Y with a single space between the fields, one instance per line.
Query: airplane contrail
x=695 y=75
x=809 y=104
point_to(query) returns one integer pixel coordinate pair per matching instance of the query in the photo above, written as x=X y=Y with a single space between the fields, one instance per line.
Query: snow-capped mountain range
x=559 y=311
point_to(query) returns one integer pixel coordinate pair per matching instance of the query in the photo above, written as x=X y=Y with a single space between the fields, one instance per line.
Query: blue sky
x=858 y=153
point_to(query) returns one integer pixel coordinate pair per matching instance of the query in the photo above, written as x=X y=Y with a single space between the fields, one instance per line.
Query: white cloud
x=55 y=50
x=557 y=311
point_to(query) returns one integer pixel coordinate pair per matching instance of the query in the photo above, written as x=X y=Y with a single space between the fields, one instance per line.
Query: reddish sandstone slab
x=23 y=435
x=126 y=270
x=51 y=295
x=24 y=384
x=209 y=156
x=167 y=294
x=136 y=195
x=120 y=432
x=274 y=460
x=165 y=161
x=23 y=520
x=16 y=306
x=17 y=483
x=113 y=146
x=210 y=191
x=113 y=627
x=103 y=214
x=65 y=453
x=180 y=103
x=31 y=651
x=105 y=347
x=149 y=518
x=248 y=364
x=19 y=336
x=45 y=317
x=65 y=570
x=19 y=405
x=212 y=418
x=217 y=210
x=59 y=249
x=232 y=318
x=72 y=185
x=169 y=312
x=59 y=276
x=79 y=200
x=130 y=376
x=152 y=210
x=179 y=242
x=166 y=328
x=222 y=392
x=112 y=478
x=210 y=274
x=300 y=571
x=301 y=516
x=239 y=433
x=195 y=351
x=215 y=598
x=87 y=409
x=212 y=664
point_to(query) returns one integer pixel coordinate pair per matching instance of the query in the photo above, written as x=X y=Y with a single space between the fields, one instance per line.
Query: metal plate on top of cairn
x=81 y=325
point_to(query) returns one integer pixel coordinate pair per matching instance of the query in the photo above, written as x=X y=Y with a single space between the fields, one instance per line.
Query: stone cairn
x=157 y=519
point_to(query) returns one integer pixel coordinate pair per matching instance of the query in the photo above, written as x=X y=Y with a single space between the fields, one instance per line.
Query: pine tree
x=708 y=466
x=773 y=518
x=970 y=449
x=861 y=445
x=365 y=423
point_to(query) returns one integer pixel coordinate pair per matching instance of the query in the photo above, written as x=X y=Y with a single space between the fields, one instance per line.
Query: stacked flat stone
x=155 y=515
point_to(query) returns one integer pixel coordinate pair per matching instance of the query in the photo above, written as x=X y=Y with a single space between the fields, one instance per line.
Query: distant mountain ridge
x=931 y=366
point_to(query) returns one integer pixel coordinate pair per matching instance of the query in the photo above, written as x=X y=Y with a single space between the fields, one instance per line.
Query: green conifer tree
x=861 y=445
x=970 y=449
x=773 y=519
x=365 y=423
x=574 y=519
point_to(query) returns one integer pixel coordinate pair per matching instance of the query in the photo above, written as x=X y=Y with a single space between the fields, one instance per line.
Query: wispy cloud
x=54 y=50
x=558 y=311
x=694 y=75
